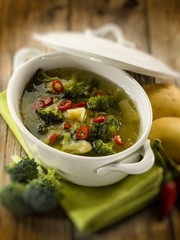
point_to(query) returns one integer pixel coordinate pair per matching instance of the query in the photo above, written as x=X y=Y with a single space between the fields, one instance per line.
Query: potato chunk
x=78 y=147
x=78 y=114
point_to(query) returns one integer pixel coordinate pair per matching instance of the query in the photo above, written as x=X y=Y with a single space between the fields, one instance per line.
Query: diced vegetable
x=67 y=125
x=78 y=147
x=118 y=139
x=77 y=114
x=82 y=104
x=82 y=133
x=129 y=113
x=53 y=138
x=38 y=105
x=57 y=86
x=98 y=94
x=99 y=119
x=64 y=105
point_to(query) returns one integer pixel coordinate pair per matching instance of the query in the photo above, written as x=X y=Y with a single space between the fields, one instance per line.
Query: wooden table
x=154 y=26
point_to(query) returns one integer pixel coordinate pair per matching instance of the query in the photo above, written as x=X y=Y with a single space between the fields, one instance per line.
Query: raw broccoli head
x=105 y=130
x=82 y=86
x=43 y=194
x=98 y=103
x=24 y=170
x=50 y=114
x=11 y=196
x=102 y=148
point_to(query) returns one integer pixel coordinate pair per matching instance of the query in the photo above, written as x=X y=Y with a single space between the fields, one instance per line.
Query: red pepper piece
x=53 y=138
x=57 y=86
x=118 y=139
x=82 y=133
x=67 y=125
x=47 y=100
x=99 y=119
x=169 y=188
x=99 y=94
x=64 y=105
x=38 y=105
x=81 y=104
x=168 y=196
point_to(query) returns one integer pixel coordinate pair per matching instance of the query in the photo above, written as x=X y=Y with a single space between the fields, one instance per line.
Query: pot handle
x=112 y=28
x=23 y=55
x=131 y=168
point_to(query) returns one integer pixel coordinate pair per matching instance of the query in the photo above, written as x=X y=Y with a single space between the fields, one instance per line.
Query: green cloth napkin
x=93 y=208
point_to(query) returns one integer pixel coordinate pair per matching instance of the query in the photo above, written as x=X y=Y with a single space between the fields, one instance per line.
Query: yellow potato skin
x=167 y=129
x=165 y=99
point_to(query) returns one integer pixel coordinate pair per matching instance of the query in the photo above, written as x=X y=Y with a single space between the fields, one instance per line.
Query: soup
x=79 y=112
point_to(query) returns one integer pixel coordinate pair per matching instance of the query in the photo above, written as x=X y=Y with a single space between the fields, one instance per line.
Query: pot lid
x=120 y=54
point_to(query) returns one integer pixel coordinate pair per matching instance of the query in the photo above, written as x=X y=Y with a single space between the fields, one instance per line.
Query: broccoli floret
x=50 y=114
x=105 y=130
x=11 y=196
x=98 y=103
x=37 y=194
x=82 y=86
x=43 y=194
x=24 y=170
x=102 y=148
x=43 y=128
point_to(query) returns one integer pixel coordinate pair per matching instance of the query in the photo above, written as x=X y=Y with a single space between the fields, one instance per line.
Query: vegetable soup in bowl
x=79 y=112
x=87 y=120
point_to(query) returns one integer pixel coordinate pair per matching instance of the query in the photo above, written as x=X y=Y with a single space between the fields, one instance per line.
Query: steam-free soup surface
x=79 y=112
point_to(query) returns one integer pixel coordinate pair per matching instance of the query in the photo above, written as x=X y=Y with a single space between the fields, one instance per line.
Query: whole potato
x=167 y=130
x=165 y=100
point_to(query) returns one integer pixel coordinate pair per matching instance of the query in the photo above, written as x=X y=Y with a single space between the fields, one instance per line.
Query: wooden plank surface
x=153 y=25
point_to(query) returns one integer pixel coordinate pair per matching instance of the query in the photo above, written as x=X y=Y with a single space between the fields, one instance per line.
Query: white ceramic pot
x=82 y=170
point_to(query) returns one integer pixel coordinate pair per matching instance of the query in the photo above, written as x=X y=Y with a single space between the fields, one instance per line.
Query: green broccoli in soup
x=98 y=103
x=23 y=170
x=43 y=128
x=102 y=148
x=105 y=130
x=50 y=114
x=82 y=85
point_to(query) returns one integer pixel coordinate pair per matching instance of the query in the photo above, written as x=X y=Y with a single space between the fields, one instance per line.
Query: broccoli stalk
x=23 y=169
x=50 y=114
x=105 y=130
x=42 y=77
x=102 y=148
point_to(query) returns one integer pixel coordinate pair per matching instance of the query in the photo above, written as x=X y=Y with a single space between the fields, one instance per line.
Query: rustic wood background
x=154 y=26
